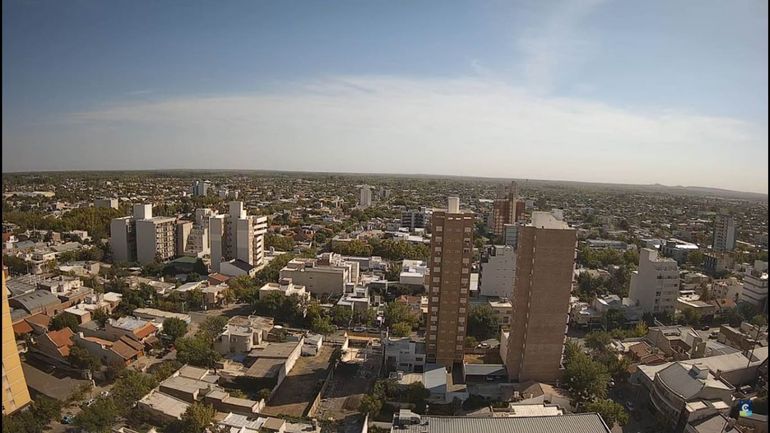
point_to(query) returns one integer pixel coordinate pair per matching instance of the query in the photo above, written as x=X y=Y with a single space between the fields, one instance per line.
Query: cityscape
x=329 y=254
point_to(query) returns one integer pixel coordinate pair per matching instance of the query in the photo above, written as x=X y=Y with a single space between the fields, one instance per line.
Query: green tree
x=16 y=265
x=164 y=370
x=196 y=351
x=394 y=272
x=131 y=386
x=584 y=378
x=598 y=340
x=100 y=316
x=371 y=405
x=341 y=315
x=82 y=359
x=35 y=419
x=759 y=320
x=396 y=312
x=197 y=418
x=195 y=299
x=64 y=320
x=483 y=323
x=280 y=243
x=99 y=417
x=322 y=325
x=610 y=411
x=401 y=329
x=174 y=328
x=211 y=327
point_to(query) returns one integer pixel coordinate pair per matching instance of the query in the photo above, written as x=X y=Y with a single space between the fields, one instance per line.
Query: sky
x=655 y=91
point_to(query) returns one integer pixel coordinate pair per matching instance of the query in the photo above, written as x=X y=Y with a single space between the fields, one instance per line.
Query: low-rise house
x=679 y=342
x=162 y=288
x=503 y=310
x=39 y=301
x=242 y=334
x=418 y=306
x=744 y=337
x=131 y=327
x=286 y=287
x=406 y=421
x=404 y=354
x=55 y=344
x=356 y=300
x=215 y=295
x=158 y=316
x=120 y=352
x=326 y=275
x=217 y=278
x=413 y=272
x=237 y=268
x=312 y=344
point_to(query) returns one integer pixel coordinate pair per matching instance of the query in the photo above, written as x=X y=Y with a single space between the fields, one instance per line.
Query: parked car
x=630 y=406
x=105 y=394
x=88 y=403
x=359 y=329
x=67 y=419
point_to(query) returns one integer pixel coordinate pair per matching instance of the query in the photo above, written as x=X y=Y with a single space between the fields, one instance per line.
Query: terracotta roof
x=22 y=327
x=98 y=340
x=145 y=330
x=39 y=319
x=131 y=342
x=62 y=339
x=640 y=350
x=124 y=350
x=219 y=277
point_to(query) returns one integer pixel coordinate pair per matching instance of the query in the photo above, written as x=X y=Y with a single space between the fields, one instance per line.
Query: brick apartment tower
x=545 y=264
x=505 y=209
x=450 y=271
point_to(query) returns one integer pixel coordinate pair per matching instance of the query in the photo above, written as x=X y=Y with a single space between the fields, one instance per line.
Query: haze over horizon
x=588 y=91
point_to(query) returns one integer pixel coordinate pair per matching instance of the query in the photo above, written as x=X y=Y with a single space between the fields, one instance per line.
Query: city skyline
x=540 y=91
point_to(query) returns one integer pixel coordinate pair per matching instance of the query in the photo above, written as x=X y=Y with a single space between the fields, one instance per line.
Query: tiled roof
x=62 y=339
x=22 y=328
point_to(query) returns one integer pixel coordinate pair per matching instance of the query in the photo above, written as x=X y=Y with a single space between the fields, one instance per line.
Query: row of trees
x=391 y=249
x=94 y=220
x=415 y=394
x=603 y=257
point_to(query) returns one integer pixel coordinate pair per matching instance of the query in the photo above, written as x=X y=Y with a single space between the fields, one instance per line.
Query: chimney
x=453 y=205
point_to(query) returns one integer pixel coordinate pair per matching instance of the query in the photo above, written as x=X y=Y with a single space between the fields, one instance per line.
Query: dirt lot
x=349 y=383
x=300 y=386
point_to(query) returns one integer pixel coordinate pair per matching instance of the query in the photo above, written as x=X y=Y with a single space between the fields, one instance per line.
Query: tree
x=35 y=419
x=759 y=320
x=695 y=258
x=394 y=272
x=16 y=265
x=197 y=418
x=483 y=323
x=174 y=328
x=341 y=315
x=280 y=243
x=210 y=328
x=82 y=359
x=690 y=317
x=164 y=370
x=584 y=378
x=100 y=316
x=401 y=329
x=598 y=340
x=322 y=325
x=196 y=351
x=396 y=312
x=64 y=320
x=610 y=411
x=371 y=405
x=195 y=299
x=131 y=386
x=640 y=330
x=99 y=417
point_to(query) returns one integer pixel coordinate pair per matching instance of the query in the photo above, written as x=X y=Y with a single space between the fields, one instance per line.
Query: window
x=466 y=261
x=467 y=230
x=437 y=260
x=439 y=238
x=462 y=310
x=437 y=249
x=439 y=229
x=436 y=279
x=459 y=338
x=437 y=269
x=433 y=327
x=459 y=347
x=434 y=299
x=462 y=319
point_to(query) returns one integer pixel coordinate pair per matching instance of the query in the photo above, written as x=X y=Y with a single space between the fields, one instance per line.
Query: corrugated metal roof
x=574 y=423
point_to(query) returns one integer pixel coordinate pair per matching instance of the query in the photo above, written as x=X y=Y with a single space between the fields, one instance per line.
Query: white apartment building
x=285 y=287
x=754 y=289
x=237 y=236
x=655 y=285
x=413 y=272
x=319 y=276
x=404 y=354
x=724 y=233
x=123 y=239
x=106 y=203
x=498 y=271
x=365 y=198
x=155 y=237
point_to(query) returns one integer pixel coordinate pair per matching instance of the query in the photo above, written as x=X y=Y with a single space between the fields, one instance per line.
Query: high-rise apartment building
x=655 y=285
x=198 y=243
x=365 y=197
x=142 y=237
x=498 y=271
x=237 y=236
x=15 y=392
x=545 y=262
x=106 y=203
x=415 y=219
x=451 y=250
x=200 y=188
x=504 y=209
x=724 y=232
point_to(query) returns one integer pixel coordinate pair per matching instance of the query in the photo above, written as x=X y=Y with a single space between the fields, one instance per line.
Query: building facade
x=544 y=272
x=237 y=236
x=15 y=392
x=504 y=209
x=365 y=197
x=754 y=289
x=655 y=285
x=724 y=233
x=498 y=271
x=450 y=267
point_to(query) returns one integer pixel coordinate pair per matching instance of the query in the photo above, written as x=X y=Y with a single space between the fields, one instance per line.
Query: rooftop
x=572 y=423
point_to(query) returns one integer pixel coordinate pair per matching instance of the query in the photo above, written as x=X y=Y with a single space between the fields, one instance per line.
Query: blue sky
x=608 y=91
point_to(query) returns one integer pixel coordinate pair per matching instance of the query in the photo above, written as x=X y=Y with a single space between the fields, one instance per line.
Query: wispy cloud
x=556 y=43
x=467 y=126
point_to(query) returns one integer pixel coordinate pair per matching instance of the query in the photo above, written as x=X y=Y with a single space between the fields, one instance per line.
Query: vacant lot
x=300 y=386
x=349 y=383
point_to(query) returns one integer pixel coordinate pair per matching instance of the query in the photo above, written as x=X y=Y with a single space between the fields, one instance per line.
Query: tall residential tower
x=450 y=270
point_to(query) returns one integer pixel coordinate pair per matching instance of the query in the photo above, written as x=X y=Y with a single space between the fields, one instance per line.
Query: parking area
x=300 y=386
